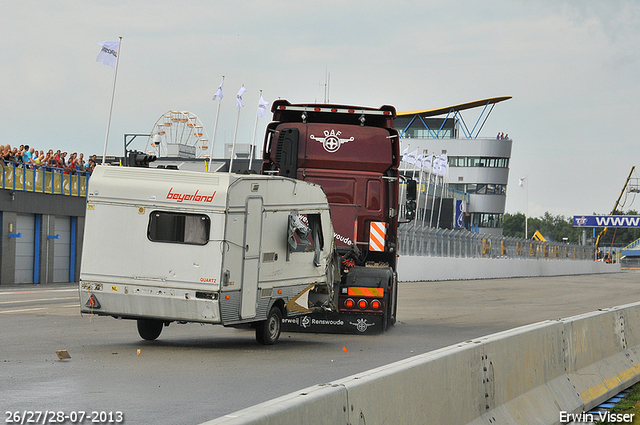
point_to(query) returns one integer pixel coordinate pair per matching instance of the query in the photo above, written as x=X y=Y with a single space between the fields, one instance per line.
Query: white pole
x=235 y=133
x=215 y=127
x=233 y=147
x=426 y=193
x=413 y=176
x=113 y=93
x=255 y=129
x=402 y=198
x=526 y=206
x=441 y=196
x=435 y=188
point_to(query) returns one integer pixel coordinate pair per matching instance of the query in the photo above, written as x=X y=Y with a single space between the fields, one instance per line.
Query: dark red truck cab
x=353 y=152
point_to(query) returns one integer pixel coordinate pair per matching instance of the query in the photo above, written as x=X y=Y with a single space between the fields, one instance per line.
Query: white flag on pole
x=218 y=93
x=426 y=162
x=444 y=165
x=411 y=157
x=444 y=168
x=239 y=97
x=436 y=165
x=109 y=53
x=262 y=107
x=521 y=183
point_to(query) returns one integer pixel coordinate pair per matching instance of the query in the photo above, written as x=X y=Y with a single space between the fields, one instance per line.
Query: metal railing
x=417 y=240
x=33 y=178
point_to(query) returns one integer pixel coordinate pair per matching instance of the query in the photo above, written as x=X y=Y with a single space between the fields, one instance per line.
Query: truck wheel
x=268 y=332
x=149 y=329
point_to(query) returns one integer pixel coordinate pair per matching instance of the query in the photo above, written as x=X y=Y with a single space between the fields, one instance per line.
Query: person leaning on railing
x=31 y=158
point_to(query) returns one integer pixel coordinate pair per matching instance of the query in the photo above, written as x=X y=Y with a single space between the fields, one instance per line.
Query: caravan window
x=178 y=228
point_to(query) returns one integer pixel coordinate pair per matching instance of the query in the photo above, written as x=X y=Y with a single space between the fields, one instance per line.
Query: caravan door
x=251 y=258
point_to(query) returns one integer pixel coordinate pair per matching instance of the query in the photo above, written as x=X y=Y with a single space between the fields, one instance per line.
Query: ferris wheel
x=178 y=133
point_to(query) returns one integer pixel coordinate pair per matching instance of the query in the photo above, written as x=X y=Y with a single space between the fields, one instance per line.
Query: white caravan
x=165 y=246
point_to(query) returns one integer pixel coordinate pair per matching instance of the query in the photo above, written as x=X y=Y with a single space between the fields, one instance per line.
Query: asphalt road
x=196 y=373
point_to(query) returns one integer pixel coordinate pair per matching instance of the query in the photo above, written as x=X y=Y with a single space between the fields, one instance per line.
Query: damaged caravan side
x=164 y=246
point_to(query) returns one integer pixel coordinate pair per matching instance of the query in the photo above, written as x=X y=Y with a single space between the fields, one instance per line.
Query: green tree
x=513 y=225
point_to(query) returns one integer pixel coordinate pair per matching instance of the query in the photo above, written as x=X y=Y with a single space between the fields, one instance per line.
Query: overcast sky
x=572 y=68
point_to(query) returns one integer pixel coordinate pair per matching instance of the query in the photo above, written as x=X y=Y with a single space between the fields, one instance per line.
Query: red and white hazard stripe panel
x=377 y=233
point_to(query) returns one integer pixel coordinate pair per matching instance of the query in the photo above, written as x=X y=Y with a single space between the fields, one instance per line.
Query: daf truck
x=353 y=153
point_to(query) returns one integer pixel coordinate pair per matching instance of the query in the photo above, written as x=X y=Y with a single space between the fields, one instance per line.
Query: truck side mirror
x=411 y=199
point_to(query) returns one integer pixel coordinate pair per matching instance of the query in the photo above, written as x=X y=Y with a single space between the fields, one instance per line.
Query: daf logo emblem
x=331 y=142
x=305 y=322
x=362 y=325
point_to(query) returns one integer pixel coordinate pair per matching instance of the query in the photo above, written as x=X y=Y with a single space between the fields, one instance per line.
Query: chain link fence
x=418 y=240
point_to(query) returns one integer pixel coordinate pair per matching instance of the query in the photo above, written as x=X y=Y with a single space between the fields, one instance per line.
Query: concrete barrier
x=418 y=269
x=532 y=374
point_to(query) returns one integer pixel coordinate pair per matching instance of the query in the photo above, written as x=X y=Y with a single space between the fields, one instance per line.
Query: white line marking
x=37 y=300
x=23 y=310
x=35 y=292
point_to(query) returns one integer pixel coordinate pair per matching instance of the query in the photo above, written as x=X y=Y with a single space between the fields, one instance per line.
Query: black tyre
x=149 y=329
x=268 y=332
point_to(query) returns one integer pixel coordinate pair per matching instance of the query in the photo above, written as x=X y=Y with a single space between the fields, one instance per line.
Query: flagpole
x=435 y=188
x=235 y=135
x=113 y=93
x=402 y=188
x=233 y=147
x=215 y=127
x=255 y=129
x=419 y=187
x=526 y=207
x=426 y=192
x=441 y=195
x=413 y=176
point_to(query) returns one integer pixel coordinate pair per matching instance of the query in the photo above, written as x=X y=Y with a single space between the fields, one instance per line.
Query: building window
x=492 y=220
x=479 y=188
x=475 y=161
x=173 y=227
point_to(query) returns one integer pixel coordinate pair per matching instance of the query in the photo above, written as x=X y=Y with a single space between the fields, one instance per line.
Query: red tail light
x=349 y=303
x=362 y=304
x=375 y=304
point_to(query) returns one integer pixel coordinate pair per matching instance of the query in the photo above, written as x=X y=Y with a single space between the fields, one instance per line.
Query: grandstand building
x=478 y=166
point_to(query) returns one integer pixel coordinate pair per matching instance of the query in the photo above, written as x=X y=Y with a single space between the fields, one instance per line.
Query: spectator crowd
x=32 y=158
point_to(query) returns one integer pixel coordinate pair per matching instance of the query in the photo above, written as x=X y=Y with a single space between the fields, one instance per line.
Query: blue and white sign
x=606 y=221
x=459 y=218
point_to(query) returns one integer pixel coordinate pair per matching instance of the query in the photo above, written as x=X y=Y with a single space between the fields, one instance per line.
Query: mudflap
x=334 y=323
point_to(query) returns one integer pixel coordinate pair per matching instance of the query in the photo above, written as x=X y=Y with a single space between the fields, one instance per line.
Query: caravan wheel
x=149 y=329
x=268 y=332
